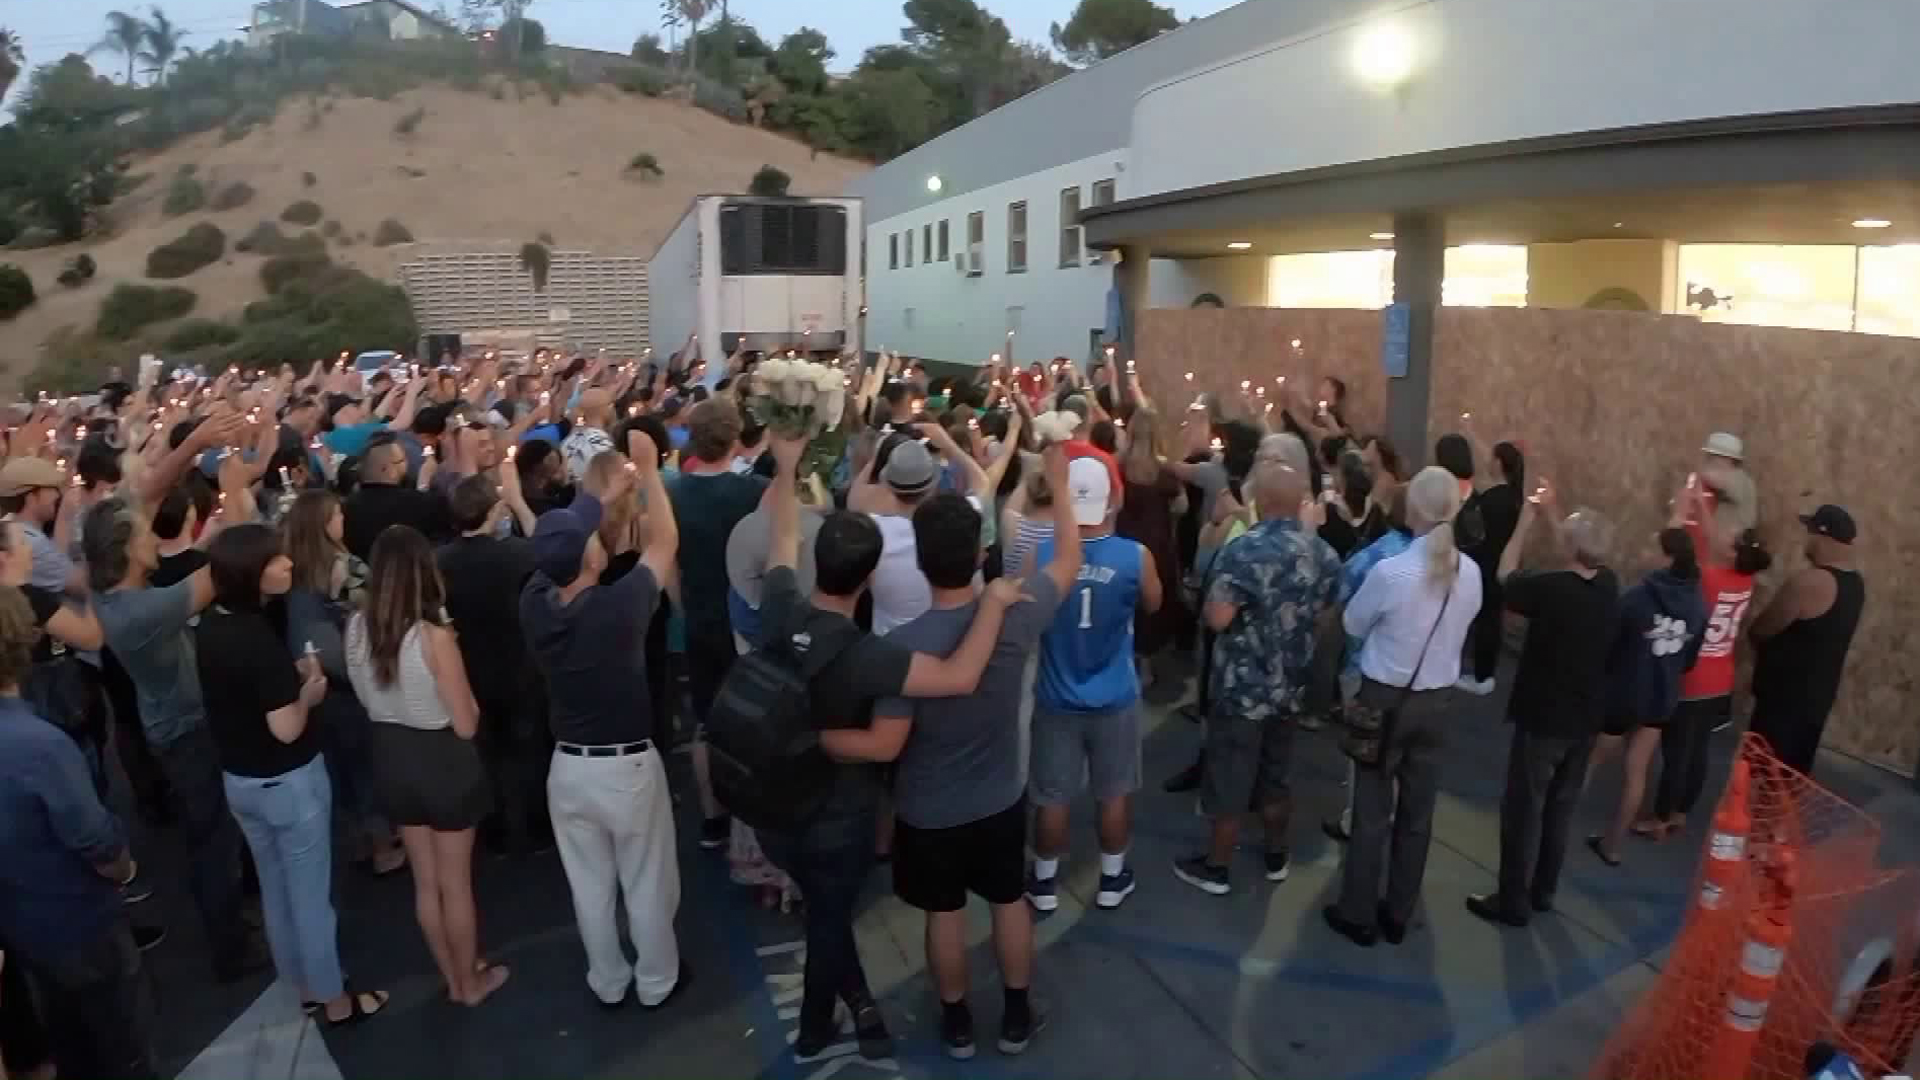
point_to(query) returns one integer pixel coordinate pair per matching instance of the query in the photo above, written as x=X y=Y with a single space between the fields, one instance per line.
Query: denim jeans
x=288 y=823
x=97 y=1007
x=829 y=860
x=192 y=768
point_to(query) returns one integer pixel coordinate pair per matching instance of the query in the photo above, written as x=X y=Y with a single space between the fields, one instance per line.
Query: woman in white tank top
x=405 y=665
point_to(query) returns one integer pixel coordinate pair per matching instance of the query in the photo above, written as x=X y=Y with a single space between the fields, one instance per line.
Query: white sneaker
x=1476 y=687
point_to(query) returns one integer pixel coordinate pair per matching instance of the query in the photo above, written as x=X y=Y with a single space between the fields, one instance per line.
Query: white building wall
x=1491 y=71
x=930 y=310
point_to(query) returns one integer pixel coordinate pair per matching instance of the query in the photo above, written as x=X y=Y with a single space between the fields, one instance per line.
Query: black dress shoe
x=1359 y=933
x=1543 y=904
x=1493 y=908
x=1395 y=932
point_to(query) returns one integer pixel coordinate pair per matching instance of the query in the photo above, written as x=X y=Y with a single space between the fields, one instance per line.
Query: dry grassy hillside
x=473 y=168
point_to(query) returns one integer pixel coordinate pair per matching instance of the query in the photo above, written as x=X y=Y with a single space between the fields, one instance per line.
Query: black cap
x=1831 y=522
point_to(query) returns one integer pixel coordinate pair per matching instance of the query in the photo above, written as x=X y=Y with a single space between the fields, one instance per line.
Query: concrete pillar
x=1130 y=277
x=1419 y=266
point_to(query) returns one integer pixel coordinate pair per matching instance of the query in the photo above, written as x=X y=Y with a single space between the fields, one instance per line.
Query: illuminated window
x=1889 y=280
x=1805 y=285
x=1331 y=279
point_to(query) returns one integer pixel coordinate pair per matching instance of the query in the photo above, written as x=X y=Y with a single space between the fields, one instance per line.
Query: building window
x=943 y=240
x=1103 y=193
x=926 y=242
x=909 y=235
x=1017 y=238
x=893 y=251
x=1070 y=227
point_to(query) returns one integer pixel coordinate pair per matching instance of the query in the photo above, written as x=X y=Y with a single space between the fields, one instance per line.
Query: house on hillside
x=395 y=20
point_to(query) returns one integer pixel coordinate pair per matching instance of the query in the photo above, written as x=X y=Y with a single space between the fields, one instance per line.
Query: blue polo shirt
x=53 y=832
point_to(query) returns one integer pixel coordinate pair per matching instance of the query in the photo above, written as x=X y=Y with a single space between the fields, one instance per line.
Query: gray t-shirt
x=962 y=759
x=148 y=630
x=51 y=566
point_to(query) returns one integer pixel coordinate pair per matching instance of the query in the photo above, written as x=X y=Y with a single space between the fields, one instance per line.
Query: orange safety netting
x=1795 y=936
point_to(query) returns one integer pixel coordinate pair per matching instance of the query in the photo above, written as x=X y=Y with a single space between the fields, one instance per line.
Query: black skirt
x=429 y=778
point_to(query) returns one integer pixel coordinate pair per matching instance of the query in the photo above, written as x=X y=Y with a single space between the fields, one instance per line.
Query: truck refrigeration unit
x=759 y=275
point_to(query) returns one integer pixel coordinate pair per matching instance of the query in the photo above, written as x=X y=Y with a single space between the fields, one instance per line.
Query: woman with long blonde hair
x=1412 y=613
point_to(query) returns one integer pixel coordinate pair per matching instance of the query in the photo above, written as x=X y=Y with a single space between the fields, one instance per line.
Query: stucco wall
x=1613 y=407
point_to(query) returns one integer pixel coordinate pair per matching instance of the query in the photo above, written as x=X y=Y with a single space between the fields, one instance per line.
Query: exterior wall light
x=1383 y=56
x=934 y=184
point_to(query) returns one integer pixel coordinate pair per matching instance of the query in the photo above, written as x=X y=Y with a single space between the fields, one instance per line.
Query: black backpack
x=763 y=750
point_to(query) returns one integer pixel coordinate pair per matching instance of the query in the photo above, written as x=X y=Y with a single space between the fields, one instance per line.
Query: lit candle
x=1260 y=391
x=633 y=410
x=1245 y=385
x=1129 y=367
x=1465 y=416
x=512 y=450
x=1296 y=344
x=1217 y=445
x=994 y=359
x=286 y=478
x=1189 y=376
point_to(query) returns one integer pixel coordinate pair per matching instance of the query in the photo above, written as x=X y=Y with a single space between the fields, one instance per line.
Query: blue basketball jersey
x=1086 y=654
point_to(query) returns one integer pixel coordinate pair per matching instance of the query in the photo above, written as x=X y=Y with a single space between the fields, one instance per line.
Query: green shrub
x=283 y=270
x=498 y=91
x=408 y=124
x=197 y=247
x=769 y=181
x=78 y=271
x=646 y=165
x=720 y=100
x=199 y=333
x=16 y=291
x=232 y=197
x=320 y=310
x=545 y=237
x=536 y=260
x=304 y=212
x=391 y=232
x=9 y=227
x=128 y=308
x=307 y=179
x=184 y=195
x=129 y=183
x=332 y=229
x=189 y=169
x=649 y=81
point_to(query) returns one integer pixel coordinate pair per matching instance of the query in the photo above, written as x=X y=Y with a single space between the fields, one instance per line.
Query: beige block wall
x=1613 y=406
x=1603 y=274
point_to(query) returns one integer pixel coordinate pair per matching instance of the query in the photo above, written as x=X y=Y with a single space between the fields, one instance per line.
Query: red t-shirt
x=1727 y=592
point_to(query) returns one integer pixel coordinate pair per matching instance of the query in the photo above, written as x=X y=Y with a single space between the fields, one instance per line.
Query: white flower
x=773 y=371
x=1052 y=427
x=827 y=379
x=832 y=405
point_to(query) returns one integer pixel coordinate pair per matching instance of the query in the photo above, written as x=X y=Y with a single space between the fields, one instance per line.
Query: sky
x=52 y=28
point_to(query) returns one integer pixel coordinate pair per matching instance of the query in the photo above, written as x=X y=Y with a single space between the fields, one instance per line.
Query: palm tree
x=126 y=35
x=163 y=44
x=12 y=57
x=675 y=12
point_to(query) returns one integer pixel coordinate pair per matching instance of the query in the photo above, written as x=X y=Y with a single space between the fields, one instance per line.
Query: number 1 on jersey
x=1086 y=607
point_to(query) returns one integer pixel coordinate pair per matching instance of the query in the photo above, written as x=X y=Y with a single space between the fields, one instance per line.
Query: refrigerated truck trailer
x=759 y=275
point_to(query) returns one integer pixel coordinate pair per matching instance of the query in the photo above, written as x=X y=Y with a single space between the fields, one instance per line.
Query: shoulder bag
x=1369 y=730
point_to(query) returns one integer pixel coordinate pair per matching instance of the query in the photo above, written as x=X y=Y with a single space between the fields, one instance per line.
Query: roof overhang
x=1791 y=178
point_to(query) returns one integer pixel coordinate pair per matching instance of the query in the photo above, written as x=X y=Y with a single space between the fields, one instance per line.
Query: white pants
x=613 y=824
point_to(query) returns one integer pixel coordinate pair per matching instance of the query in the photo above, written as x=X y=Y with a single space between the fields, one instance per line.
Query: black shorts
x=935 y=869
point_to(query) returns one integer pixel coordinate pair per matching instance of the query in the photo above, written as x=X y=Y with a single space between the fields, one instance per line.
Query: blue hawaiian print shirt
x=1282 y=579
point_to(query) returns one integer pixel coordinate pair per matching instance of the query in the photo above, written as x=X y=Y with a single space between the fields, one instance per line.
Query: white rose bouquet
x=797 y=398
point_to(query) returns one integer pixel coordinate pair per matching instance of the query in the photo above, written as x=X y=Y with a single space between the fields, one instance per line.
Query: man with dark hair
x=607 y=784
x=149 y=629
x=828 y=857
x=384 y=498
x=1802 y=640
x=61 y=855
x=898 y=398
x=174 y=525
x=709 y=499
x=483 y=574
x=959 y=790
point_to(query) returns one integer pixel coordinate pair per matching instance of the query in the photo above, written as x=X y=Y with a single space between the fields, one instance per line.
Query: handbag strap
x=1407 y=690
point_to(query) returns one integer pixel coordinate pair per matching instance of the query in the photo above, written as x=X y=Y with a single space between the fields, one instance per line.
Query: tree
x=1028 y=67
x=800 y=61
x=688 y=13
x=1101 y=28
x=12 y=58
x=162 y=37
x=891 y=111
x=525 y=36
x=125 y=35
x=648 y=50
x=769 y=182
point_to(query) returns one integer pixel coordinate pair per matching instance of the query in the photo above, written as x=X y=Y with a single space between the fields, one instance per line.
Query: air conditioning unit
x=960 y=262
x=976 y=260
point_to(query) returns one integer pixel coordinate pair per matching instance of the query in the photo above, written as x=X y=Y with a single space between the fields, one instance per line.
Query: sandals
x=358 y=1007
x=1596 y=844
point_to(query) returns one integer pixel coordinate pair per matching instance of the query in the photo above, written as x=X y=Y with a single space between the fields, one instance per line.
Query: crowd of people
x=391 y=614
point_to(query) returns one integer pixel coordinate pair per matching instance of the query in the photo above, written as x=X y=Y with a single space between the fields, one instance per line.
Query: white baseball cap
x=1721 y=444
x=1091 y=488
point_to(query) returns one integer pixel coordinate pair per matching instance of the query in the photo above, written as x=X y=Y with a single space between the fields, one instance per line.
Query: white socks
x=1045 y=869
x=1112 y=864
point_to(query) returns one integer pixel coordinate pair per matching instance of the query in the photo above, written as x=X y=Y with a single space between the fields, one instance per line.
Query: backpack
x=763 y=751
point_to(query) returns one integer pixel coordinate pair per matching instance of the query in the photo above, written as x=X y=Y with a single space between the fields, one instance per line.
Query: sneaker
x=1015 y=1037
x=956 y=1031
x=146 y=937
x=715 y=832
x=1199 y=873
x=1043 y=893
x=1115 y=888
x=1476 y=687
x=870 y=1028
x=136 y=889
x=1278 y=863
